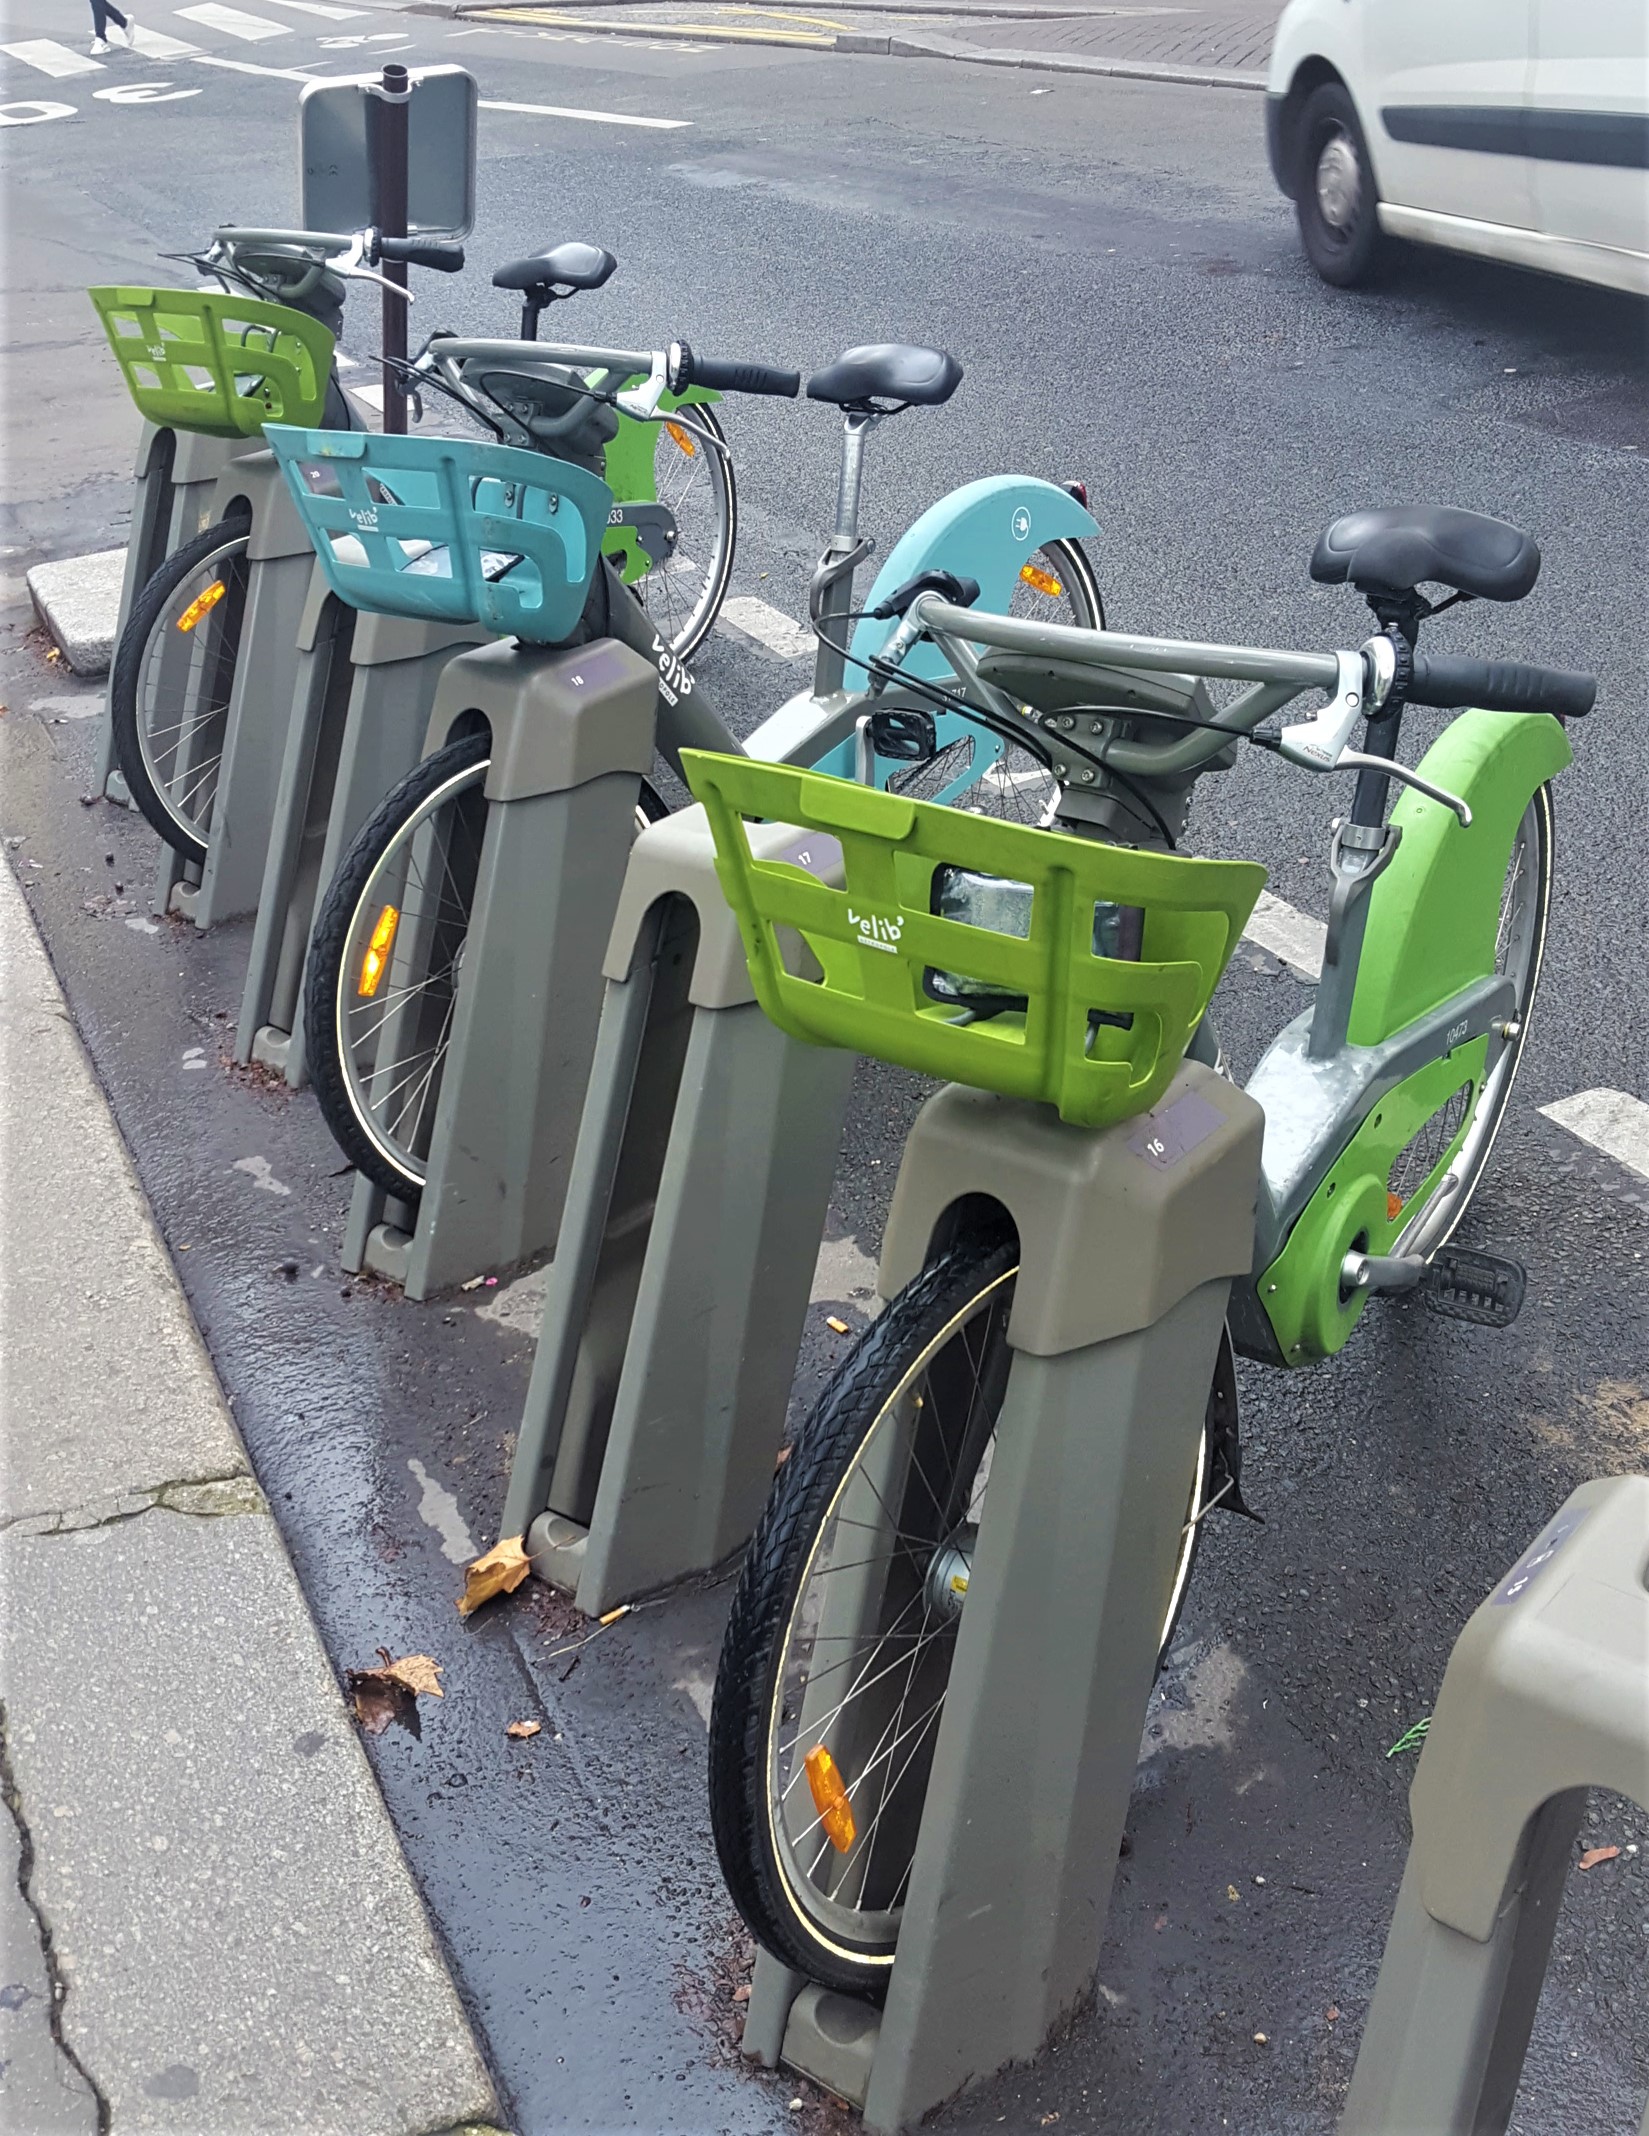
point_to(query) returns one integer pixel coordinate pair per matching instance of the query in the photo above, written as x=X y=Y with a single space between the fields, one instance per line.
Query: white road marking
x=47 y=57
x=315 y=7
x=143 y=93
x=233 y=22
x=438 y=1509
x=1611 y=1121
x=1293 y=937
x=373 y=396
x=767 y=626
x=247 y=66
x=596 y=118
x=257 y=1168
x=153 y=45
x=33 y=114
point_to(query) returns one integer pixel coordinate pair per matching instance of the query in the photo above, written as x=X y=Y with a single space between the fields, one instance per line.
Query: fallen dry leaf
x=742 y=1992
x=391 y=1692
x=521 y=1730
x=1048 y=2120
x=1594 y=1855
x=498 y=1571
x=1332 y=2012
x=1232 y=1893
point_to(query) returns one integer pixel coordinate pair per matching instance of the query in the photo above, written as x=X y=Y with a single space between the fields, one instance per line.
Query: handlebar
x=1447 y=681
x=431 y=252
x=686 y=370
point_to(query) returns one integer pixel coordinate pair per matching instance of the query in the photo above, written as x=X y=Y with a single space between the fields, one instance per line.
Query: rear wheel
x=386 y=961
x=1336 y=202
x=982 y=771
x=844 y=1624
x=693 y=482
x=170 y=686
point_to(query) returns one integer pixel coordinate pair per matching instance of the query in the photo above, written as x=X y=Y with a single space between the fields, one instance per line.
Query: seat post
x=836 y=602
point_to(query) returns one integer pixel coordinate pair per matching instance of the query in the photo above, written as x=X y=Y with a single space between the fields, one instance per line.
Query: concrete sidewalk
x=207 y=1922
x=1207 y=43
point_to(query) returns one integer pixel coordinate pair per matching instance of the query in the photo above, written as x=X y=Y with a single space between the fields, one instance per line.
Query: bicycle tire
x=755 y=1687
x=340 y=1065
x=692 y=626
x=1520 y=945
x=134 y=679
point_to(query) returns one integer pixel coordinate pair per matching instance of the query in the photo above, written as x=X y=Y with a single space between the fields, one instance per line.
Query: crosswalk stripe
x=767 y=625
x=1293 y=938
x=1610 y=1120
x=47 y=57
x=317 y=7
x=153 y=45
x=250 y=66
x=251 y=29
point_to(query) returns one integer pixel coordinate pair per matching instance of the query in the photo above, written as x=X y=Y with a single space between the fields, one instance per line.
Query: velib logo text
x=876 y=931
x=674 y=682
x=365 y=517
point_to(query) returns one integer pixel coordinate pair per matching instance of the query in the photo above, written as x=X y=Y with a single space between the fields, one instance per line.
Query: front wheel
x=1336 y=202
x=386 y=959
x=677 y=555
x=838 y=1650
x=170 y=686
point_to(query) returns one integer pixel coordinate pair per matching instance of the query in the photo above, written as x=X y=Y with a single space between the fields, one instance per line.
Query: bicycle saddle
x=888 y=370
x=572 y=266
x=1395 y=550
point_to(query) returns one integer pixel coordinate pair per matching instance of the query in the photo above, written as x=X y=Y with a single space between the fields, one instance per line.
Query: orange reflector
x=1043 y=581
x=684 y=438
x=374 y=963
x=202 y=605
x=830 y=1798
x=1394 y=1206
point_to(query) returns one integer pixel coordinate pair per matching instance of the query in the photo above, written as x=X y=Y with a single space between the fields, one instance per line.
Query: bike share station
x=319 y=711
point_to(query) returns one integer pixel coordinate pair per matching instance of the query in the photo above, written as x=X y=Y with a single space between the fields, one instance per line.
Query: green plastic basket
x=1099 y=1037
x=194 y=359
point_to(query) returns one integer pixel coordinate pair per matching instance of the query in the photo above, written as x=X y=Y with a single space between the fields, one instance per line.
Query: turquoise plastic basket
x=446 y=530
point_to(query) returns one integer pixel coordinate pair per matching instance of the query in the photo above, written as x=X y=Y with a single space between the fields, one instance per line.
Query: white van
x=1517 y=129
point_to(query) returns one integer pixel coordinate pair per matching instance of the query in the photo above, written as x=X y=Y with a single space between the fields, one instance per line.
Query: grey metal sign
x=336 y=172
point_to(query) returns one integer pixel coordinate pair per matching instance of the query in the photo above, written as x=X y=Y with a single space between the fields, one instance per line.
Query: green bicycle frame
x=1423 y=1000
x=632 y=478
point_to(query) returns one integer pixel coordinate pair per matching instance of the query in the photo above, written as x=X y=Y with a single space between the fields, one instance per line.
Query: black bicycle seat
x=572 y=266
x=1394 y=551
x=887 y=371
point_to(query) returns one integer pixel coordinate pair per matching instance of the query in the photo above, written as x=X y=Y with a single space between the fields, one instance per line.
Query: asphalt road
x=1114 y=269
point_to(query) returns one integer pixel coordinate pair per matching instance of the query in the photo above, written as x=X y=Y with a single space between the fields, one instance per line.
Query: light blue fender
x=985 y=530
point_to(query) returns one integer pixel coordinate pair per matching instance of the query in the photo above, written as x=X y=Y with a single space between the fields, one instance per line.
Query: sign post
x=387 y=147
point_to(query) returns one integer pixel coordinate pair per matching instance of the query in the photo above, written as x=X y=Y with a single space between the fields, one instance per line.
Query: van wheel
x=1334 y=192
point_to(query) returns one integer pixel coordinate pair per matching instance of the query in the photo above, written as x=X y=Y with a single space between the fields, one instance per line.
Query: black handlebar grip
x=691 y=370
x=1449 y=682
x=423 y=252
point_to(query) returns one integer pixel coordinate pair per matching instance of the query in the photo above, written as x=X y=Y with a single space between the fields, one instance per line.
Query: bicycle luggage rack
x=179 y=457
x=1114 y=1333
x=360 y=711
x=695 y=1203
x=1543 y=1699
x=571 y=737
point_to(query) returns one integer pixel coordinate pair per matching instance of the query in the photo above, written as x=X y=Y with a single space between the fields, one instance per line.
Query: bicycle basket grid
x=221 y=365
x=1099 y=1038
x=449 y=529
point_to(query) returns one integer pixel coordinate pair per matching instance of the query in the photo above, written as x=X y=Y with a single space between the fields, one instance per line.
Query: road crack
x=197 y=1497
x=57 y=1987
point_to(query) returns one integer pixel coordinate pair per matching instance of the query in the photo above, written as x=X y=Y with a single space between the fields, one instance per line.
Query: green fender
x=1433 y=919
x=628 y=467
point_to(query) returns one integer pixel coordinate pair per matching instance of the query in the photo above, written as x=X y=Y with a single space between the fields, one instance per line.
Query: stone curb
x=78 y=600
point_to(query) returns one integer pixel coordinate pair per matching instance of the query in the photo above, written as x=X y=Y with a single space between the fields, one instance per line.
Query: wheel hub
x=1339 y=183
x=946 y=1586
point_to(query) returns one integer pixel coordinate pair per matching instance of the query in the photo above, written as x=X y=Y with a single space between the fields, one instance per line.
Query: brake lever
x=1354 y=760
x=642 y=401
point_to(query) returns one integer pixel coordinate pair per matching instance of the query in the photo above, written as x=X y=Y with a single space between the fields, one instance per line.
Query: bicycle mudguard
x=986 y=530
x=1430 y=944
x=629 y=473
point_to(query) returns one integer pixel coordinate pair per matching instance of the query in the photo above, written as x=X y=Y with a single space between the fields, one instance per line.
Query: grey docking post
x=1129 y=1239
x=361 y=707
x=1546 y=1695
x=572 y=737
x=696 y=1203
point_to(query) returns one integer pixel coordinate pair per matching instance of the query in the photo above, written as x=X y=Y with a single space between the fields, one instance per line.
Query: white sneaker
x=131 y=25
x=98 y=46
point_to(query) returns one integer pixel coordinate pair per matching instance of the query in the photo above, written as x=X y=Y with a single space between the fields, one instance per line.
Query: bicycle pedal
x=1479 y=1287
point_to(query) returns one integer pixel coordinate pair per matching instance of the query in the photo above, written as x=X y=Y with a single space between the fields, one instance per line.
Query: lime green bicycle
x=1076 y=969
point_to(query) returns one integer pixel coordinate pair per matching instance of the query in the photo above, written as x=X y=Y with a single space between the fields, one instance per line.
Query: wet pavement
x=1222 y=405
